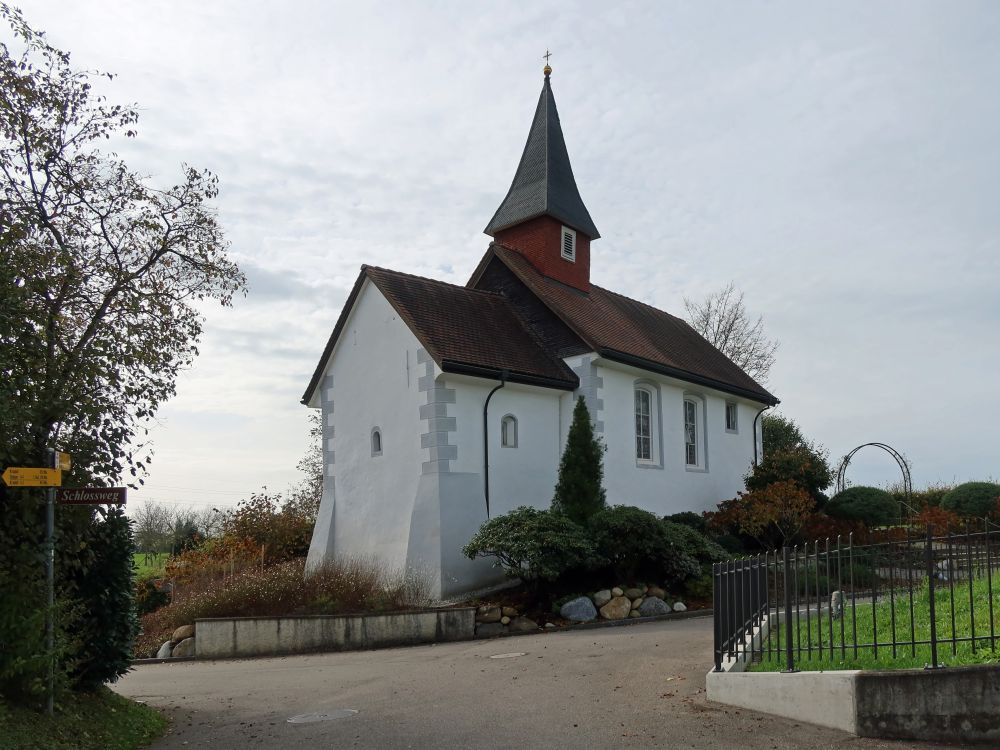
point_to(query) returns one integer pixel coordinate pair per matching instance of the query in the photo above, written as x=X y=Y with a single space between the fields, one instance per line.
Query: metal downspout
x=486 y=440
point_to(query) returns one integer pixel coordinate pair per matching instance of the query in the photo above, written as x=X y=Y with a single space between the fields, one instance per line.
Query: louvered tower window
x=568 y=244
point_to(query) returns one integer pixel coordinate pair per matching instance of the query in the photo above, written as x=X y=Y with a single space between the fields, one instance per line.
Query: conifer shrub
x=869 y=505
x=535 y=545
x=579 y=492
x=973 y=499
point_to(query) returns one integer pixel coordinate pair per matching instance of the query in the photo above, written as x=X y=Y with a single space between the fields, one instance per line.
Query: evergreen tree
x=580 y=492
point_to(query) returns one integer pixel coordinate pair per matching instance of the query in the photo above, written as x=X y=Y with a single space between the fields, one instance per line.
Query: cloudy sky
x=837 y=160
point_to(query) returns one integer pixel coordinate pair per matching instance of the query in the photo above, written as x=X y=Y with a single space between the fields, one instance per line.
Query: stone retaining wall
x=221 y=638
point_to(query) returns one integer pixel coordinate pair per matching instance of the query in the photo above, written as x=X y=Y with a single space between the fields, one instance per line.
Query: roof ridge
x=380 y=269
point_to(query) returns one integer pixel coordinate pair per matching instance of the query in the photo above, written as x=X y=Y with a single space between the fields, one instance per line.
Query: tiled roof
x=544 y=182
x=464 y=330
x=623 y=329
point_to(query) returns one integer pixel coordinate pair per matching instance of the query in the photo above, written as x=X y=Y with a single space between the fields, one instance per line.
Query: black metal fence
x=917 y=597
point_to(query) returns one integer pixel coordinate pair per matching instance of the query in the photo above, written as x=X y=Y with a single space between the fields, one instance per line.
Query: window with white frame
x=376 y=441
x=732 y=425
x=508 y=431
x=643 y=424
x=568 y=244
x=691 y=457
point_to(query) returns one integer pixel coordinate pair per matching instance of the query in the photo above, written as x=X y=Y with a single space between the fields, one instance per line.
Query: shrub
x=107 y=624
x=579 y=492
x=342 y=586
x=773 y=515
x=532 y=544
x=634 y=544
x=973 y=499
x=149 y=597
x=870 y=505
x=283 y=527
x=686 y=518
x=940 y=520
x=691 y=542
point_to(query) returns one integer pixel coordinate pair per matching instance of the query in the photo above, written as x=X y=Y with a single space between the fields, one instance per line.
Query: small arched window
x=508 y=431
x=376 y=441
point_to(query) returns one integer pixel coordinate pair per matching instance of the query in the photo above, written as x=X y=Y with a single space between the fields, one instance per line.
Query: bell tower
x=543 y=216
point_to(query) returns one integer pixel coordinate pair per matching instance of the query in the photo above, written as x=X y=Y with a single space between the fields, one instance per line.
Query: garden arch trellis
x=904 y=467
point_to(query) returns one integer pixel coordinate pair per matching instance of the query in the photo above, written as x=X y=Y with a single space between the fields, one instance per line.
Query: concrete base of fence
x=953 y=704
x=222 y=638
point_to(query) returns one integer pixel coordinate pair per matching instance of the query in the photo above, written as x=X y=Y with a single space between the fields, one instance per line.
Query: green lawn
x=102 y=720
x=143 y=566
x=868 y=657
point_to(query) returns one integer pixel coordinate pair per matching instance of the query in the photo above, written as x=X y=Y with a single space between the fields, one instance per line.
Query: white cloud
x=837 y=162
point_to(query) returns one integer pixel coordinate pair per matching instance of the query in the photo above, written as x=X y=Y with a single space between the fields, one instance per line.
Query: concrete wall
x=954 y=704
x=259 y=636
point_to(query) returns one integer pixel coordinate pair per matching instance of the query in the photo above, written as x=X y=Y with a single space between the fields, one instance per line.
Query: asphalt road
x=633 y=687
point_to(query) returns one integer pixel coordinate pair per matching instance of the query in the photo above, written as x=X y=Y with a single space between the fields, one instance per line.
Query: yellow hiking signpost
x=24 y=476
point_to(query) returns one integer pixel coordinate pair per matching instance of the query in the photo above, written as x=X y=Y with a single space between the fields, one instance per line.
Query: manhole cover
x=512 y=655
x=340 y=713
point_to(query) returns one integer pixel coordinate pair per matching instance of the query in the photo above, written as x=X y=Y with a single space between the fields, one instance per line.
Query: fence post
x=717 y=613
x=789 y=658
x=930 y=586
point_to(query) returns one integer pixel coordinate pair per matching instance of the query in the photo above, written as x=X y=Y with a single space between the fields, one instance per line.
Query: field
x=149 y=564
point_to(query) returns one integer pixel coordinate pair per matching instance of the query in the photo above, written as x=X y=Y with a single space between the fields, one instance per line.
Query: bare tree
x=153 y=526
x=723 y=320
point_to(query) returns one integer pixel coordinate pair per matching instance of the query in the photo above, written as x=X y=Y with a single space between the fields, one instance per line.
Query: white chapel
x=445 y=405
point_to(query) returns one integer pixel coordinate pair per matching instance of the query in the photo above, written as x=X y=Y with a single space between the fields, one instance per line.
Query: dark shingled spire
x=544 y=182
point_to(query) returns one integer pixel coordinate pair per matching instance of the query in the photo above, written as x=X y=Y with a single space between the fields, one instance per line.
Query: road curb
x=606 y=624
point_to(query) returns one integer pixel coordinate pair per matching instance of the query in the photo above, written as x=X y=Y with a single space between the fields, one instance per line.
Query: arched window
x=508 y=431
x=376 y=441
x=643 y=425
x=695 y=443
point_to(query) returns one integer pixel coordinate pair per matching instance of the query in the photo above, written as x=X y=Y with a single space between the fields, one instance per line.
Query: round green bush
x=634 y=544
x=973 y=499
x=533 y=544
x=870 y=505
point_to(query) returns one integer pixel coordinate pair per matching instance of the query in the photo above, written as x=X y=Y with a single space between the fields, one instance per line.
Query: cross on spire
x=548 y=68
x=547 y=55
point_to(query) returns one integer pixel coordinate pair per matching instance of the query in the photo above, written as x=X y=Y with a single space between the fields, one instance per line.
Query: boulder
x=653 y=605
x=632 y=593
x=635 y=613
x=508 y=612
x=165 y=649
x=184 y=648
x=489 y=614
x=183 y=632
x=522 y=625
x=679 y=607
x=616 y=591
x=549 y=625
x=489 y=629
x=636 y=602
x=602 y=597
x=657 y=592
x=505 y=620
x=580 y=609
x=617 y=609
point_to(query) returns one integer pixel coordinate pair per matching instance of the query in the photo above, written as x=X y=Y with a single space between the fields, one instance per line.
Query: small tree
x=580 y=492
x=771 y=515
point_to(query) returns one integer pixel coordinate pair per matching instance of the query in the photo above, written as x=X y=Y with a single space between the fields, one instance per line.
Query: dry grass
x=345 y=586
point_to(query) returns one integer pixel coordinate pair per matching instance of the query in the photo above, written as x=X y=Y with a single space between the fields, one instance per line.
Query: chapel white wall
x=671 y=487
x=370 y=381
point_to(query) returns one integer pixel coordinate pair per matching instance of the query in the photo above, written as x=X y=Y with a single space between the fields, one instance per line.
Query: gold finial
x=547 y=70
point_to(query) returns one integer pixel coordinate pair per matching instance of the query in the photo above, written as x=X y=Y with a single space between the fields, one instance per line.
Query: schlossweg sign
x=91 y=496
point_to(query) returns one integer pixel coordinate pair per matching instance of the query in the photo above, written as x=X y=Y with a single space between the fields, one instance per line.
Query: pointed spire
x=544 y=182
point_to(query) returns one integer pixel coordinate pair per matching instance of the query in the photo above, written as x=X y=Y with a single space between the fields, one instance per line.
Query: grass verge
x=102 y=720
x=894 y=623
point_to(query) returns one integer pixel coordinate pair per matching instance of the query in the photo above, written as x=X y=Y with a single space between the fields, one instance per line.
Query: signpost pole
x=50 y=581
